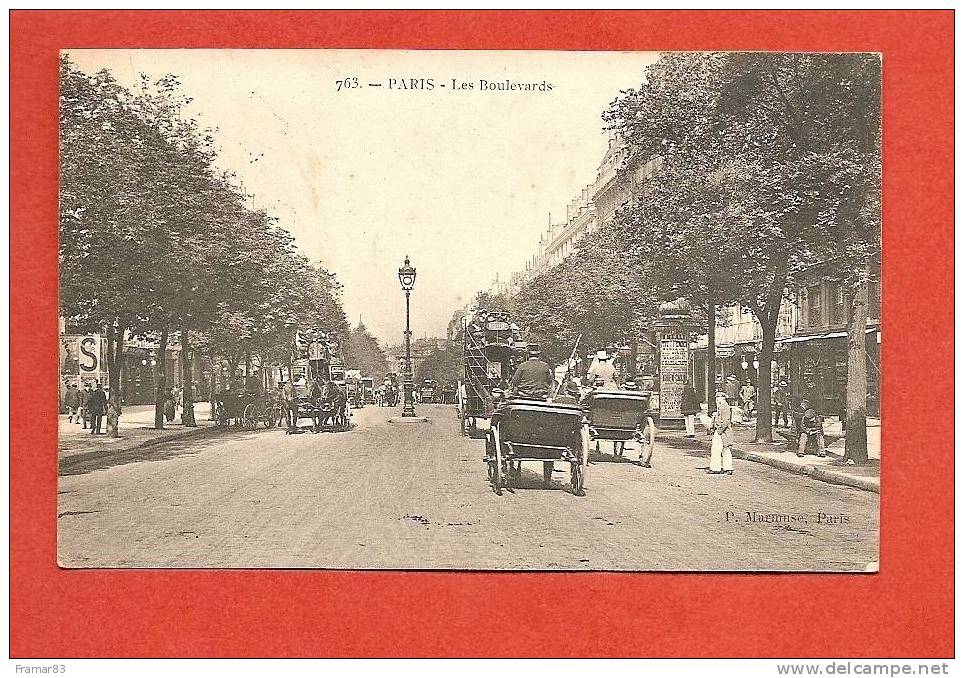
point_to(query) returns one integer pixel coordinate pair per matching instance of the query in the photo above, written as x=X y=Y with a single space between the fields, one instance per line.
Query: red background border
x=905 y=610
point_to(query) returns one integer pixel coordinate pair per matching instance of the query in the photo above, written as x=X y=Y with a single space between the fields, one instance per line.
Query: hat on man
x=534 y=350
x=602 y=355
x=783 y=382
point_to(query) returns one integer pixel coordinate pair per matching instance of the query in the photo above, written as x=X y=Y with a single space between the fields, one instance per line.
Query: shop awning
x=812 y=337
x=816 y=337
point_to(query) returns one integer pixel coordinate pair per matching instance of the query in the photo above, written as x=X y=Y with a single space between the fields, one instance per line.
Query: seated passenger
x=533 y=379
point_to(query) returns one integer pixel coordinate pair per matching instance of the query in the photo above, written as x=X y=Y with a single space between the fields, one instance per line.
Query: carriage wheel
x=270 y=421
x=497 y=465
x=250 y=417
x=578 y=475
x=577 y=479
x=547 y=468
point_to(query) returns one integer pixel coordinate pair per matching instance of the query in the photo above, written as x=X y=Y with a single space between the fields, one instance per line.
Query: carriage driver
x=533 y=379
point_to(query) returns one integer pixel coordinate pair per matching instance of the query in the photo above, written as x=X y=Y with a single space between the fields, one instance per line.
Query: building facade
x=594 y=206
x=818 y=349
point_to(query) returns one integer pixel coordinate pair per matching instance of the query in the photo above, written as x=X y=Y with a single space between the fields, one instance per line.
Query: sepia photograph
x=376 y=309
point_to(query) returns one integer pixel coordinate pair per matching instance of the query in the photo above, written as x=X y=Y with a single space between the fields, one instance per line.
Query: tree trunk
x=855 y=446
x=764 y=411
x=160 y=381
x=711 y=356
x=115 y=355
x=768 y=321
x=233 y=368
x=187 y=379
x=213 y=386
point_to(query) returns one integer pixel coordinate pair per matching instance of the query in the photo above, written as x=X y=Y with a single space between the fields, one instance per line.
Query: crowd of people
x=88 y=407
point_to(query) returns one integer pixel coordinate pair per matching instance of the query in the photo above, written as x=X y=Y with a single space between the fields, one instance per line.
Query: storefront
x=818 y=371
x=742 y=361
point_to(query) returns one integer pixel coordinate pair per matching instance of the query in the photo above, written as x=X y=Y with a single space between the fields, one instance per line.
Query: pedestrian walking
x=85 y=404
x=779 y=400
x=690 y=407
x=170 y=408
x=645 y=437
x=72 y=400
x=289 y=403
x=731 y=388
x=747 y=397
x=98 y=408
x=721 y=452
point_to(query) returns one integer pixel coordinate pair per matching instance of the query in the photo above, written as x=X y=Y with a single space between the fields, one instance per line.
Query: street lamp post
x=406 y=276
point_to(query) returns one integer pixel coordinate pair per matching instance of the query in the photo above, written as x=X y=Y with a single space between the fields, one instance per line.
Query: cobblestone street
x=416 y=496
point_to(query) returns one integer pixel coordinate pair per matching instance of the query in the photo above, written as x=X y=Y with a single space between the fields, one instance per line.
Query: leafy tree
x=364 y=353
x=155 y=241
x=766 y=158
x=601 y=293
x=443 y=364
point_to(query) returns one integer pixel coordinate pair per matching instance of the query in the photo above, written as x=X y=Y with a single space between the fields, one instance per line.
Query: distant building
x=594 y=206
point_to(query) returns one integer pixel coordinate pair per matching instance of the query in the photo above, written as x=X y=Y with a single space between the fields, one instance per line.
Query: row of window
x=825 y=304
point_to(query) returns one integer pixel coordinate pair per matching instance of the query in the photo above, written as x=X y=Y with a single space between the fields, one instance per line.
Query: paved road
x=415 y=496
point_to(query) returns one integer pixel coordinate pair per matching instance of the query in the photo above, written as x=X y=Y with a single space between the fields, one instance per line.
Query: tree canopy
x=154 y=238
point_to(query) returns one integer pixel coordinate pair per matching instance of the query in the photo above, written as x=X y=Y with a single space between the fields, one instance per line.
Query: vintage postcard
x=469 y=310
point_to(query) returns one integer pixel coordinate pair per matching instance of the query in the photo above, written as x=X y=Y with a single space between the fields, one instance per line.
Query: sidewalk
x=782 y=455
x=136 y=430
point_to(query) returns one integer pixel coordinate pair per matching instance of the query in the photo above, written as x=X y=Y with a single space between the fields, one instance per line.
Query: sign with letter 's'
x=88 y=354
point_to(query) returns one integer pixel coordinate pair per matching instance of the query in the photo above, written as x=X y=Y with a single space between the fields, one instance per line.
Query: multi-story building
x=594 y=206
x=817 y=351
x=739 y=340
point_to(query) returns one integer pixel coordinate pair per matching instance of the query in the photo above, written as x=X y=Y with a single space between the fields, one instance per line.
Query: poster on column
x=673 y=373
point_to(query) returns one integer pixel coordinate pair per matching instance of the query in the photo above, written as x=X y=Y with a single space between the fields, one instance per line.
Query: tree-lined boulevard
x=766 y=165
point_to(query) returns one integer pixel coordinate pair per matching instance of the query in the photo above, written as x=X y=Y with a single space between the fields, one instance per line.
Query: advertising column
x=674 y=326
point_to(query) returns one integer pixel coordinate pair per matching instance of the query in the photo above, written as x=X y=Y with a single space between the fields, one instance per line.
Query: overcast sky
x=461 y=181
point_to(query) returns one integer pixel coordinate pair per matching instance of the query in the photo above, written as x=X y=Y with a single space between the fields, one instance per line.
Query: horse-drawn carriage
x=246 y=409
x=534 y=430
x=328 y=410
x=619 y=416
x=327 y=413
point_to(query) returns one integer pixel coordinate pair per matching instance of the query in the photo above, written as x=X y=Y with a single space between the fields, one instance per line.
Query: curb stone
x=100 y=454
x=822 y=474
